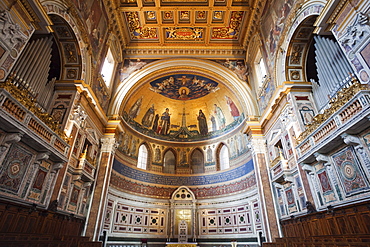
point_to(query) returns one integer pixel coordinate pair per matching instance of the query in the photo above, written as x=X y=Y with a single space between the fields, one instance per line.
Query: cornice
x=180 y=51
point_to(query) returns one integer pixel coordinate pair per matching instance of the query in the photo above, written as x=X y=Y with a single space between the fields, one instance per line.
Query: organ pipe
x=332 y=70
x=32 y=70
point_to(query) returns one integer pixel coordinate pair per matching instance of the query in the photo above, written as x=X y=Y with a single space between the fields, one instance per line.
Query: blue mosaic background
x=180 y=180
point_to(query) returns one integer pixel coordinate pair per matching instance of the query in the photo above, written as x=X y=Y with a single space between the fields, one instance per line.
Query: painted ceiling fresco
x=167 y=22
x=183 y=107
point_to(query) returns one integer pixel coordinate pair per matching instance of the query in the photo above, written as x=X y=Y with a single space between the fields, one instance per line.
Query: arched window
x=197 y=161
x=169 y=162
x=108 y=68
x=224 y=158
x=260 y=68
x=142 y=160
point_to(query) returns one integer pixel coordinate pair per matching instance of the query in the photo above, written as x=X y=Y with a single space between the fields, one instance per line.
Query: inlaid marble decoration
x=16 y=163
x=324 y=181
x=300 y=191
x=226 y=220
x=327 y=190
x=350 y=173
x=39 y=182
x=257 y=215
x=108 y=215
x=139 y=220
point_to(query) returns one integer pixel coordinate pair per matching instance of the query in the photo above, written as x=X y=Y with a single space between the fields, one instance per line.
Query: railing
x=350 y=103
x=15 y=103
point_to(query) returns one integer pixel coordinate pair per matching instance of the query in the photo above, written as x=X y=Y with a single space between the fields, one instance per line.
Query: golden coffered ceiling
x=199 y=24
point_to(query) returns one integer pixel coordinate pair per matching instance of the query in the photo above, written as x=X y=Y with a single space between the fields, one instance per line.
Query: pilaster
x=99 y=196
x=270 y=219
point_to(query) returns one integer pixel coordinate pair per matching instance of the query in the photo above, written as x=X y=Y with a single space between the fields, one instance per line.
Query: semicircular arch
x=162 y=67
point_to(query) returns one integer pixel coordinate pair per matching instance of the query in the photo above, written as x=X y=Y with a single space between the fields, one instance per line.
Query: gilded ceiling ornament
x=232 y=31
x=187 y=33
x=136 y=30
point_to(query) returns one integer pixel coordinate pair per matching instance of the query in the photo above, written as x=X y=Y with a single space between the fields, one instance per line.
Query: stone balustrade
x=18 y=118
x=350 y=116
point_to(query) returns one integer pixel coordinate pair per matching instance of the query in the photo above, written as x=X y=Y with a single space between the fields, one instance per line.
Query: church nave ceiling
x=196 y=23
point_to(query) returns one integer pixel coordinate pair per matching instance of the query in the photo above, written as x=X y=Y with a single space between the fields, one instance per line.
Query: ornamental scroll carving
x=357 y=32
x=11 y=34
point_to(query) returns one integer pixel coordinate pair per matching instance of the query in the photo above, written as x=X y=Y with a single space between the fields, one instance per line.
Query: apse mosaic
x=184 y=107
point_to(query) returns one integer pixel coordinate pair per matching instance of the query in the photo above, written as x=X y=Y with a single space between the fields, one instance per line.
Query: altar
x=181 y=244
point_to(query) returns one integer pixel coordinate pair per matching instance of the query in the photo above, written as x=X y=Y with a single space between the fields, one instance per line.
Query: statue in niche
x=209 y=154
x=133 y=147
x=240 y=144
x=202 y=123
x=183 y=158
x=125 y=143
x=232 y=147
x=157 y=154
x=135 y=108
x=148 y=118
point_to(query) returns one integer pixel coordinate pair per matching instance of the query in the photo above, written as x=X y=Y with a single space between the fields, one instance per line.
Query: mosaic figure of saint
x=165 y=122
x=220 y=117
x=214 y=124
x=202 y=123
x=232 y=107
x=148 y=118
x=155 y=123
x=135 y=108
